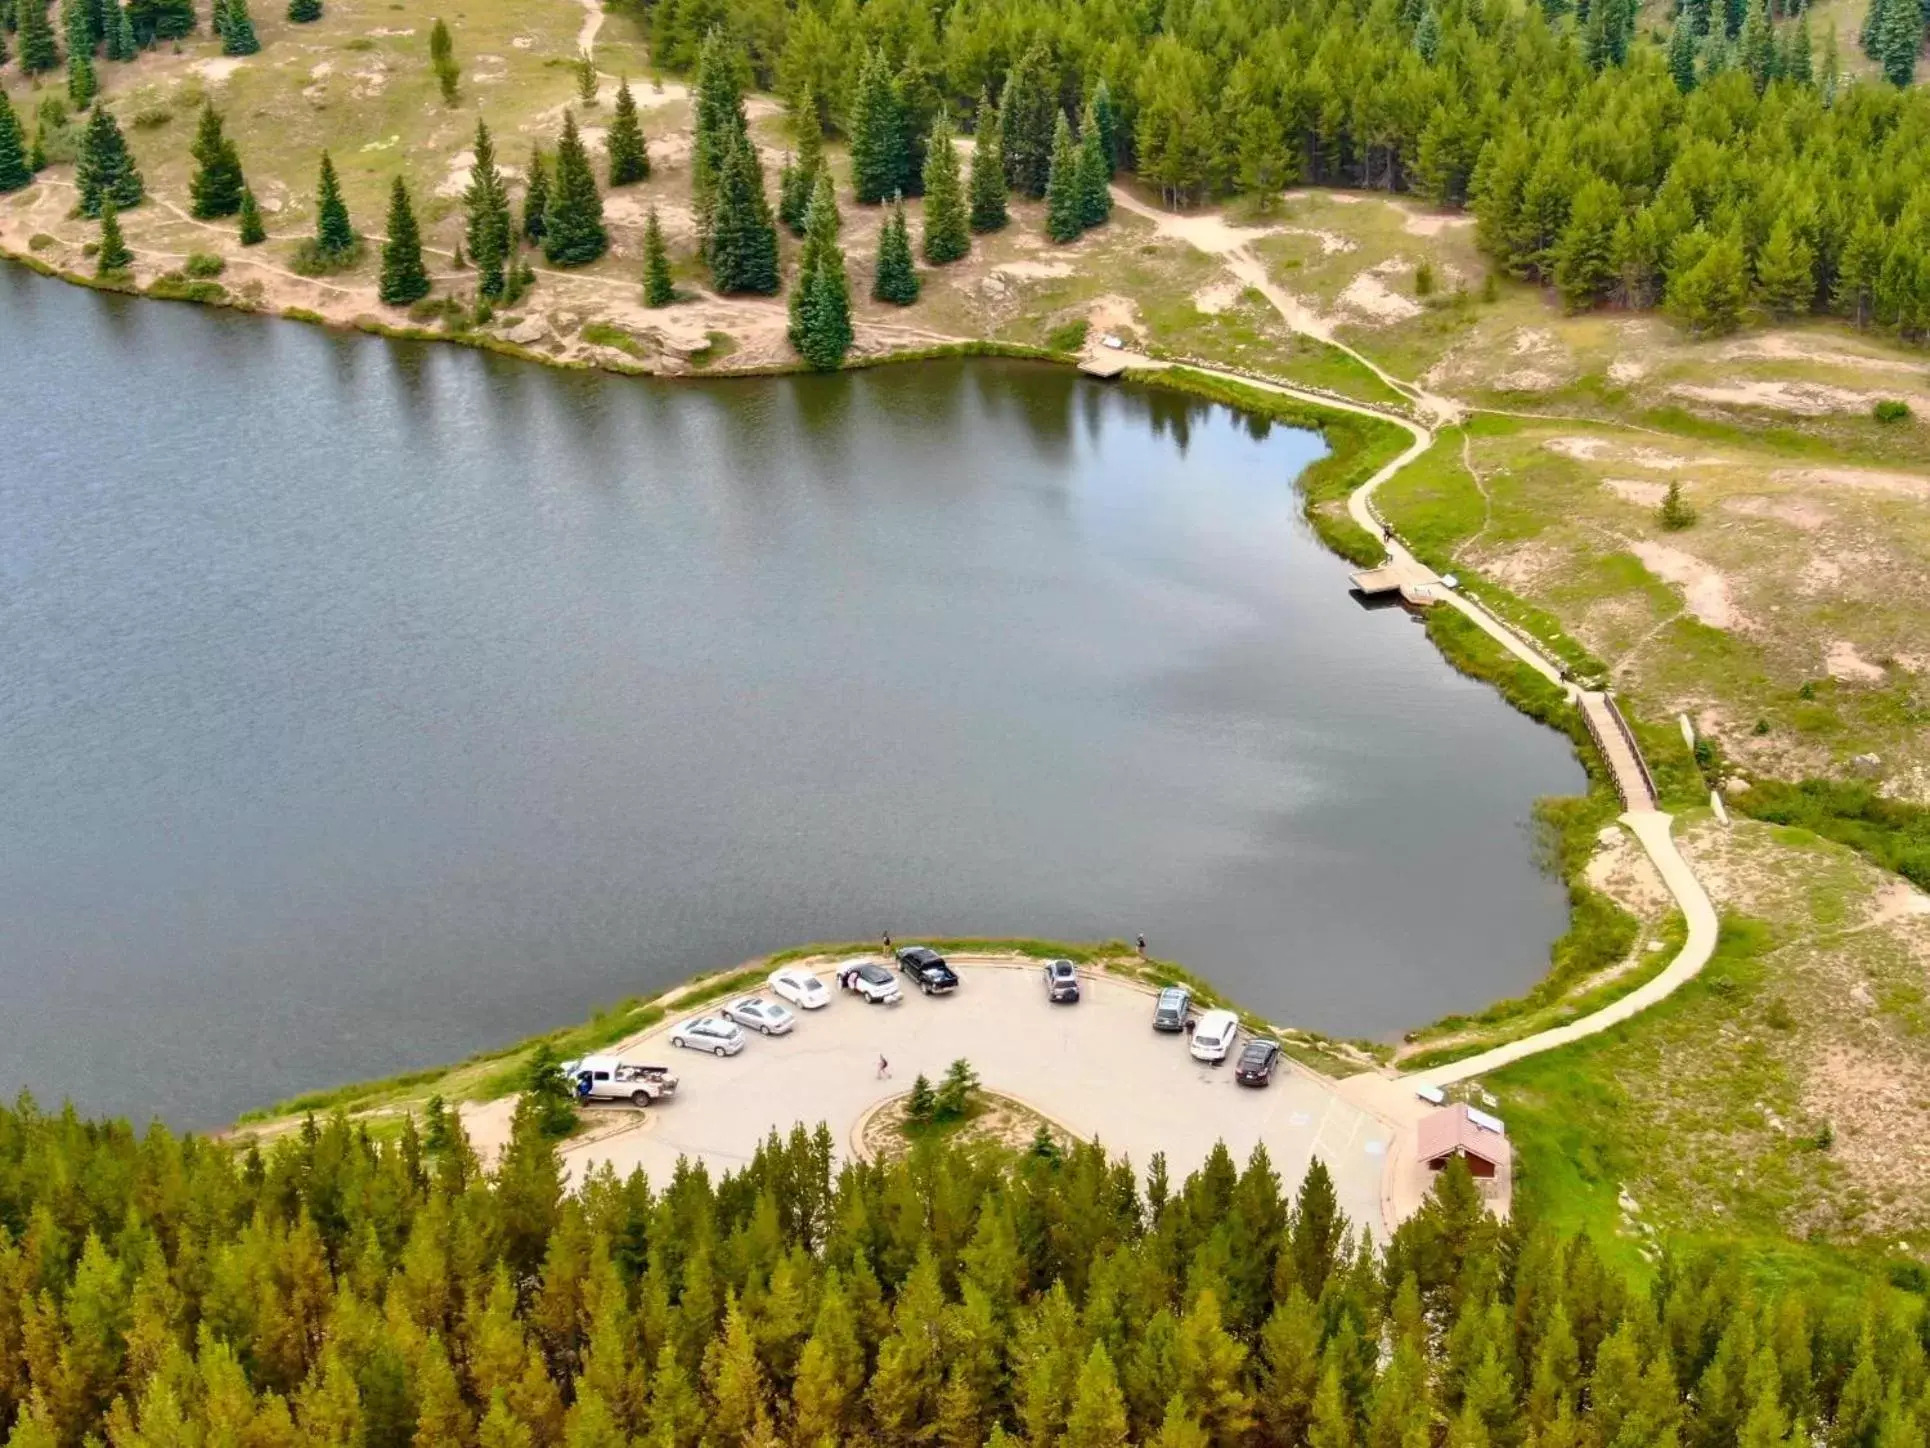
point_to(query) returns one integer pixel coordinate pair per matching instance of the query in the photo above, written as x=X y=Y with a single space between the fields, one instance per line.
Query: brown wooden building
x=1458 y=1131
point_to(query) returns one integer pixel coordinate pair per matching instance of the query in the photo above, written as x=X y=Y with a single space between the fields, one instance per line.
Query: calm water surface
x=364 y=704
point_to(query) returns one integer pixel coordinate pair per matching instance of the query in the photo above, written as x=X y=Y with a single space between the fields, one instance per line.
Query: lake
x=364 y=704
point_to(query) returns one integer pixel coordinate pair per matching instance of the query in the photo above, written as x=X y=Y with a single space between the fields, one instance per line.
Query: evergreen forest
x=335 y=1287
x=1719 y=159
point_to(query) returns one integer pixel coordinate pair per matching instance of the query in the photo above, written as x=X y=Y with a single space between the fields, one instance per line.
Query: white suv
x=1213 y=1036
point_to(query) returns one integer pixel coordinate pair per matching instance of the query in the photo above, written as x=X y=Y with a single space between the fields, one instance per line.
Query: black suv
x=928 y=968
x=1257 y=1061
x=1061 y=981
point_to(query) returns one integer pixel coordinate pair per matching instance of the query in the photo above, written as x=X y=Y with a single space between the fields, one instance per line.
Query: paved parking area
x=1098 y=1068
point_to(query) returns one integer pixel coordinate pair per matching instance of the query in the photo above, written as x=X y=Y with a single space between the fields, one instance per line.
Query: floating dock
x=1103 y=365
x=1417 y=586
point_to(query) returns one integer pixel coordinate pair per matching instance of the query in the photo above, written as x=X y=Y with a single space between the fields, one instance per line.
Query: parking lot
x=1097 y=1068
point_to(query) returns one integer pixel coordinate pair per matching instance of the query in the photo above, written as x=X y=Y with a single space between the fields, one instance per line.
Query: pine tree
x=988 y=172
x=488 y=225
x=821 y=295
x=877 y=129
x=217 y=184
x=743 y=236
x=1105 y=117
x=120 y=36
x=799 y=178
x=114 y=255
x=1785 y=272
x=1832 y=66
x=1095 y=196
x=1027 y=108
x=1899 y=37
x=442 y=60
x=1757 y=45
x=238 y=34
x=82 y=84
x=105 y=170
x=718 y=127
x=895 y=279
x=253 y=233
x=14 y=170
x=1708 y=282
x=629 y=156
x=658 y=289
x=1799 y=58
x=1062 y=199
x=1682 y=56
x=536 y=195
x=38 y=49
x=1097 y=1416
x=304 y=12
x=1585 y=255
x=947 y=236
x=1427 y=35
x=404 y=282
x=335 y=240
x=573 y=233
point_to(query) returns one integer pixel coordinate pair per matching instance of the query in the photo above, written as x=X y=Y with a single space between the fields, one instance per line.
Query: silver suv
x=1169 y=1014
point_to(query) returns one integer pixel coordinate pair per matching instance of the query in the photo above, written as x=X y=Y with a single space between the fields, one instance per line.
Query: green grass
x=602 y=334
x=1893 y=833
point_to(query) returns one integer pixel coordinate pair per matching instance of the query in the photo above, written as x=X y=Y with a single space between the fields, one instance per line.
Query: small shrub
x=1825 y=1137
x=1776 y=1015
x=1424 y=279
x=149 y=118
x=311 y=261
x=204 y=265
x=1068 y=338
x=485 y=314
x=174 y=287
x=360 y=42
x=90 y=249
x=40 y=241
x=1490 y=288
x=1890 y=410
x=956 y=1091
x=1762 y=726
x=1807 y=692
x=1675 y=514
x=303 y=314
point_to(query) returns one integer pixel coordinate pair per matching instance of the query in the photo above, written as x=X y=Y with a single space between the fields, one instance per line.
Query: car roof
x=1214 y=1021
x=875 y=968
x=1174 y=992
x=1261 y=1043
x=1059 y=967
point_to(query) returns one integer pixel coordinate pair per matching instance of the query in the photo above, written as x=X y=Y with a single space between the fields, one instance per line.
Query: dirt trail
x=592 y=24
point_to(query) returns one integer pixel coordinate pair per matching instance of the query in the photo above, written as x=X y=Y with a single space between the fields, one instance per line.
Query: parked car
x=709 y=1033
x=928 y=968
x=870 y=980
x=769 y=1018
x=1257 y=1060
x=1213 y=1036
x=1061 y=981
x=605 y=1078
x=1169 y=1012
x=801 y=988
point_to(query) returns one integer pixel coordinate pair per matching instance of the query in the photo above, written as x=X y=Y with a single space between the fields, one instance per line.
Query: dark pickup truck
x=927 y=968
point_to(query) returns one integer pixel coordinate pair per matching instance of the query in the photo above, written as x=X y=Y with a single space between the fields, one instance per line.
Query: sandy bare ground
x=1705 y=589
x=1802 y=399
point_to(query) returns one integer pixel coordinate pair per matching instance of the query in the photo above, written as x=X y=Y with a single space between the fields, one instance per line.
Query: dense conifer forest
x=1724 y=162
x=334 y=1288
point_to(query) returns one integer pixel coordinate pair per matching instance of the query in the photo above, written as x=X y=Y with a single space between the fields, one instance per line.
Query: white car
x=877 y=985
x=758 y=1014
x=709 y=1033
x=1213 y=1036
x=800 y=988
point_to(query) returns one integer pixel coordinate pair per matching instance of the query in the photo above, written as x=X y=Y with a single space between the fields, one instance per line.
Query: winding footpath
x=1394 y=1098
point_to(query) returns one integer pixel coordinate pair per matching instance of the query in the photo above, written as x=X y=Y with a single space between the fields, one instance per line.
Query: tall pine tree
x=988 y=171
x=38 y=49
x=877 y=129
x=658 y=289
x=718 y=126
x=821 y=294
x=238 y=30
x=573 y=233
x=629 y=156
x=1063 y=214
x=895 y=279
x=1105 y=117
x=1027 y=109
x=82 y=83
x=217 y=184
x=335 y=242
x=404 y=282
x=743 y=235
x=799 y=180
x=1095 y=195
x=14 y=170
x=487 y=225
x=947 y=235
x=105 y=171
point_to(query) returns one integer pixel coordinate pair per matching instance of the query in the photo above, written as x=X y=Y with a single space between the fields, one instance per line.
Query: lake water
x=364 y=704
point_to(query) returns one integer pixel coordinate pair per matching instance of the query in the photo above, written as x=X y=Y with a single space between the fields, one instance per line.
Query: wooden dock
x=1103 y=365
x=1417 y=586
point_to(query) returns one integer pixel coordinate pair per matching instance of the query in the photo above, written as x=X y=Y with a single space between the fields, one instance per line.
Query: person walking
x=884 y=1069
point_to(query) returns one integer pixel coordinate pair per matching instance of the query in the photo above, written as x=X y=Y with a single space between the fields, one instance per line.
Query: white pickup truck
x=605 y=1078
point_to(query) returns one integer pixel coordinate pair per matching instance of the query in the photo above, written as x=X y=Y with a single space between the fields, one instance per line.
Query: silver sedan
x=709 y=1033
x=757 y=1014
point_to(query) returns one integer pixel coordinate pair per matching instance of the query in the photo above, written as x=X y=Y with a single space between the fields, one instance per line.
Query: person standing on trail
x=884 y=1069
x=1142 y=947
x=887 y=945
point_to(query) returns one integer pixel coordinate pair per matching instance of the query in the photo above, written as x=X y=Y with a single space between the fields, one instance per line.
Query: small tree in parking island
x=658 y=289
x=114 y=255
x=921 y=1103
x=217 y=185
x=335 y=242
x=253 y=233
x=105 y=171
x=629 y=155
x=404 y=282
x=896 y=278
x=957 y=1091
x=573 y=233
